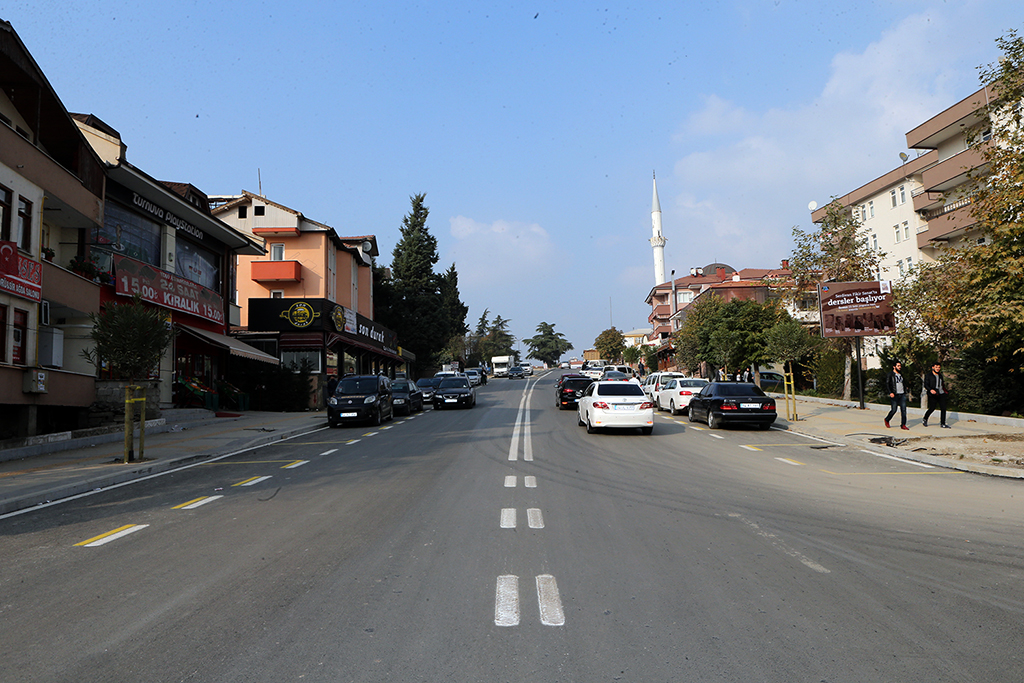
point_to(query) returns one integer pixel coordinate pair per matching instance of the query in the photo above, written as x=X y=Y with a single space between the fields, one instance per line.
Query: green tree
x=994 y=297
x=787 y=341
x=547 y=346
x=740 y=333
x=632 y=355
x=130 y=337
x=498 y=341
x=692 y=341
x=610 y=344
x=422 y=307
x=836 y=252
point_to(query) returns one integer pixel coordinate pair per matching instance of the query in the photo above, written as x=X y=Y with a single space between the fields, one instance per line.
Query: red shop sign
x=166 y=289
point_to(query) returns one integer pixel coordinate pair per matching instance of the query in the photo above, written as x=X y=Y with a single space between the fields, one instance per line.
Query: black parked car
x=516 y=372
x=569 y=389
x=406 y=397
x=454 y=392
x=359 y=398
x=428 y=385
x=732 y=402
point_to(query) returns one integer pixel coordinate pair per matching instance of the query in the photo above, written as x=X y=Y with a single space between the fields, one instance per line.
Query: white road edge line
x=893 y=457
x=113 y=537
x=200 y=503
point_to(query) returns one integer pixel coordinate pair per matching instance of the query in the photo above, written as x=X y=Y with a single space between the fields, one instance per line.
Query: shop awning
x=234 y=346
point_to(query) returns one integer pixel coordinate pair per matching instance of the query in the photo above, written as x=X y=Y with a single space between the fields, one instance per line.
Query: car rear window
x=357 y=385
x=577 y=383
x=738 y=390
x=691 y=382
x=400 y=386
x=620 y=389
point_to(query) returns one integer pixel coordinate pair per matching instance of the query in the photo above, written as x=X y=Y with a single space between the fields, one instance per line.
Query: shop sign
x=156 y=211
x=856 y=309
x=165 y=289
x=20 y=275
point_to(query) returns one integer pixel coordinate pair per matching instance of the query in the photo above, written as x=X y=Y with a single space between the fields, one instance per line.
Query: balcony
x=946 y=225
x=276 y=271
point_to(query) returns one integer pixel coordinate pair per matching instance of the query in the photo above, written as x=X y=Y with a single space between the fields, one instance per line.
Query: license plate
x=349 y=414
x=451 y=400
x=623 y=406
x=750 y=405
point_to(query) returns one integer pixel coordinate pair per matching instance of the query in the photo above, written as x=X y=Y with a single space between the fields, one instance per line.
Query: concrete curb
x=951 y=416
x=138 y=470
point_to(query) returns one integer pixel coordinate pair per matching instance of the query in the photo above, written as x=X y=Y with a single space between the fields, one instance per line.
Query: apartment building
x=310 y=296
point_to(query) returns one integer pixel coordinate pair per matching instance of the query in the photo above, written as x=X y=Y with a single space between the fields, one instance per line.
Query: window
x=259 y=210
x=874 y=242
x=892 y=198
x=196 y=263
x=20 y=337
x=128 y=234
x=896 y=229
x=277 y=251
x=903 y=270
x=863 y=213
x=910 y=263
x=5 y=213
x=906 y=230
x=243 y=211
x=871 y=208
x=684 y=296
x=293 y=360
x=23 y=233
x=903 y=194
x=277 y=294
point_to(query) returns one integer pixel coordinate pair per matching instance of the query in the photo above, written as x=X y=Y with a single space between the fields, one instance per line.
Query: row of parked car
x=376 y=398
x=625 y=402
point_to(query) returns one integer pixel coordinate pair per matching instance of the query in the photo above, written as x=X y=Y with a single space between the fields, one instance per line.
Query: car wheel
x=332 y=423
x=590 y=428
x=646 y=430
x=713 y=422
x=579 y=419
x=672 y=407
x=689 y=415
x=377 y=418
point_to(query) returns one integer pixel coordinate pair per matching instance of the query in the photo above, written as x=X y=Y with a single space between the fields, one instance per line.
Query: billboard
x=856 y=309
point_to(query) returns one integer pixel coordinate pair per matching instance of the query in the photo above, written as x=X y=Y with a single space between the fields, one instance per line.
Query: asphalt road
x=504 y=543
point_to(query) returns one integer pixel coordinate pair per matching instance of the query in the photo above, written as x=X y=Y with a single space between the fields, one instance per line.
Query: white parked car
x=676 y=393
x=615 y=404
x=656 y=380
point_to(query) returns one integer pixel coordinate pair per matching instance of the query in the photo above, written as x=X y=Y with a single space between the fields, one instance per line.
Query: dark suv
x=360 y=398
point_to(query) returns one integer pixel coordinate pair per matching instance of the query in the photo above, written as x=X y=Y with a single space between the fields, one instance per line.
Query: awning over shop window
x=234 y=346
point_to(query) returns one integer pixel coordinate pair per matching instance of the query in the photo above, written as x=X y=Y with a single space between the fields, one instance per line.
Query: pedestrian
x=938 y=395
x=748 y=376
x=897 y=388
x=723 y=374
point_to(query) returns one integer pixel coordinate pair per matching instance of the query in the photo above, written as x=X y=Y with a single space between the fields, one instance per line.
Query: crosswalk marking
x=251 y=481
x=293 y=465
x=789 y=462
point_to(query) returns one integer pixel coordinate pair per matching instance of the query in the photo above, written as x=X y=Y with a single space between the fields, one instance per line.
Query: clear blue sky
x=533 y=128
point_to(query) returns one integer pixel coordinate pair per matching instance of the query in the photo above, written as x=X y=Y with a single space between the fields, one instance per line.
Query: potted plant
x=48 y=253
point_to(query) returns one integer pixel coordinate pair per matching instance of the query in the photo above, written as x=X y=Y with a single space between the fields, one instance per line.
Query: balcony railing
x=946 y=208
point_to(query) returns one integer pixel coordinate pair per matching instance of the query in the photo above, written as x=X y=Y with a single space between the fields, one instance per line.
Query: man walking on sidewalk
x=897 y=395
x=935 y=385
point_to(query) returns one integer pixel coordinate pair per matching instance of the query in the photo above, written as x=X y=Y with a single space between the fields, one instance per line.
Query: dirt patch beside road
x=1006 y=450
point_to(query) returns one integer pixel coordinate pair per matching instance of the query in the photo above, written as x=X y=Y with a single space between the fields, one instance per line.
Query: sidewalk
x=845 y=423
x=45 y=472
x=59 y=468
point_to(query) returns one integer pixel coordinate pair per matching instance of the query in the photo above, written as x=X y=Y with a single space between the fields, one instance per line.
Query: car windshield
x=400 y=386
x=738 y=390
x=357 y=385
x=620 y=389
x=453 y=383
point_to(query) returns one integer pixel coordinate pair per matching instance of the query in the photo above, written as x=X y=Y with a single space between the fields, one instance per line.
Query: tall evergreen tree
x=548 y=346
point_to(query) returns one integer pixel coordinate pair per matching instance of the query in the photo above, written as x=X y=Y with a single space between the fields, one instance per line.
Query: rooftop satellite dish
x=904 y=156
x=812 y=206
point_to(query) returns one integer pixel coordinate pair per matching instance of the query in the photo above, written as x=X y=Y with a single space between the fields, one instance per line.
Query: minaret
x=657 y=240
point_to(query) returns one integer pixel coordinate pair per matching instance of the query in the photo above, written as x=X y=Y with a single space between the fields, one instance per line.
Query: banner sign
x=19 y=275
x=856 y=309
x=165 y=289
x=307 y=315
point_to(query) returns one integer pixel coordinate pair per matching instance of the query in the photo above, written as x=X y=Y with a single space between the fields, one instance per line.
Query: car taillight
x=769 y=406
x=645 y=405
x=601 y=404
x=729 y=406
x=684 y=392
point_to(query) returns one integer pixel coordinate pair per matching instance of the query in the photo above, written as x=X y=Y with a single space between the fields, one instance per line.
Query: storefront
x=330 y=338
